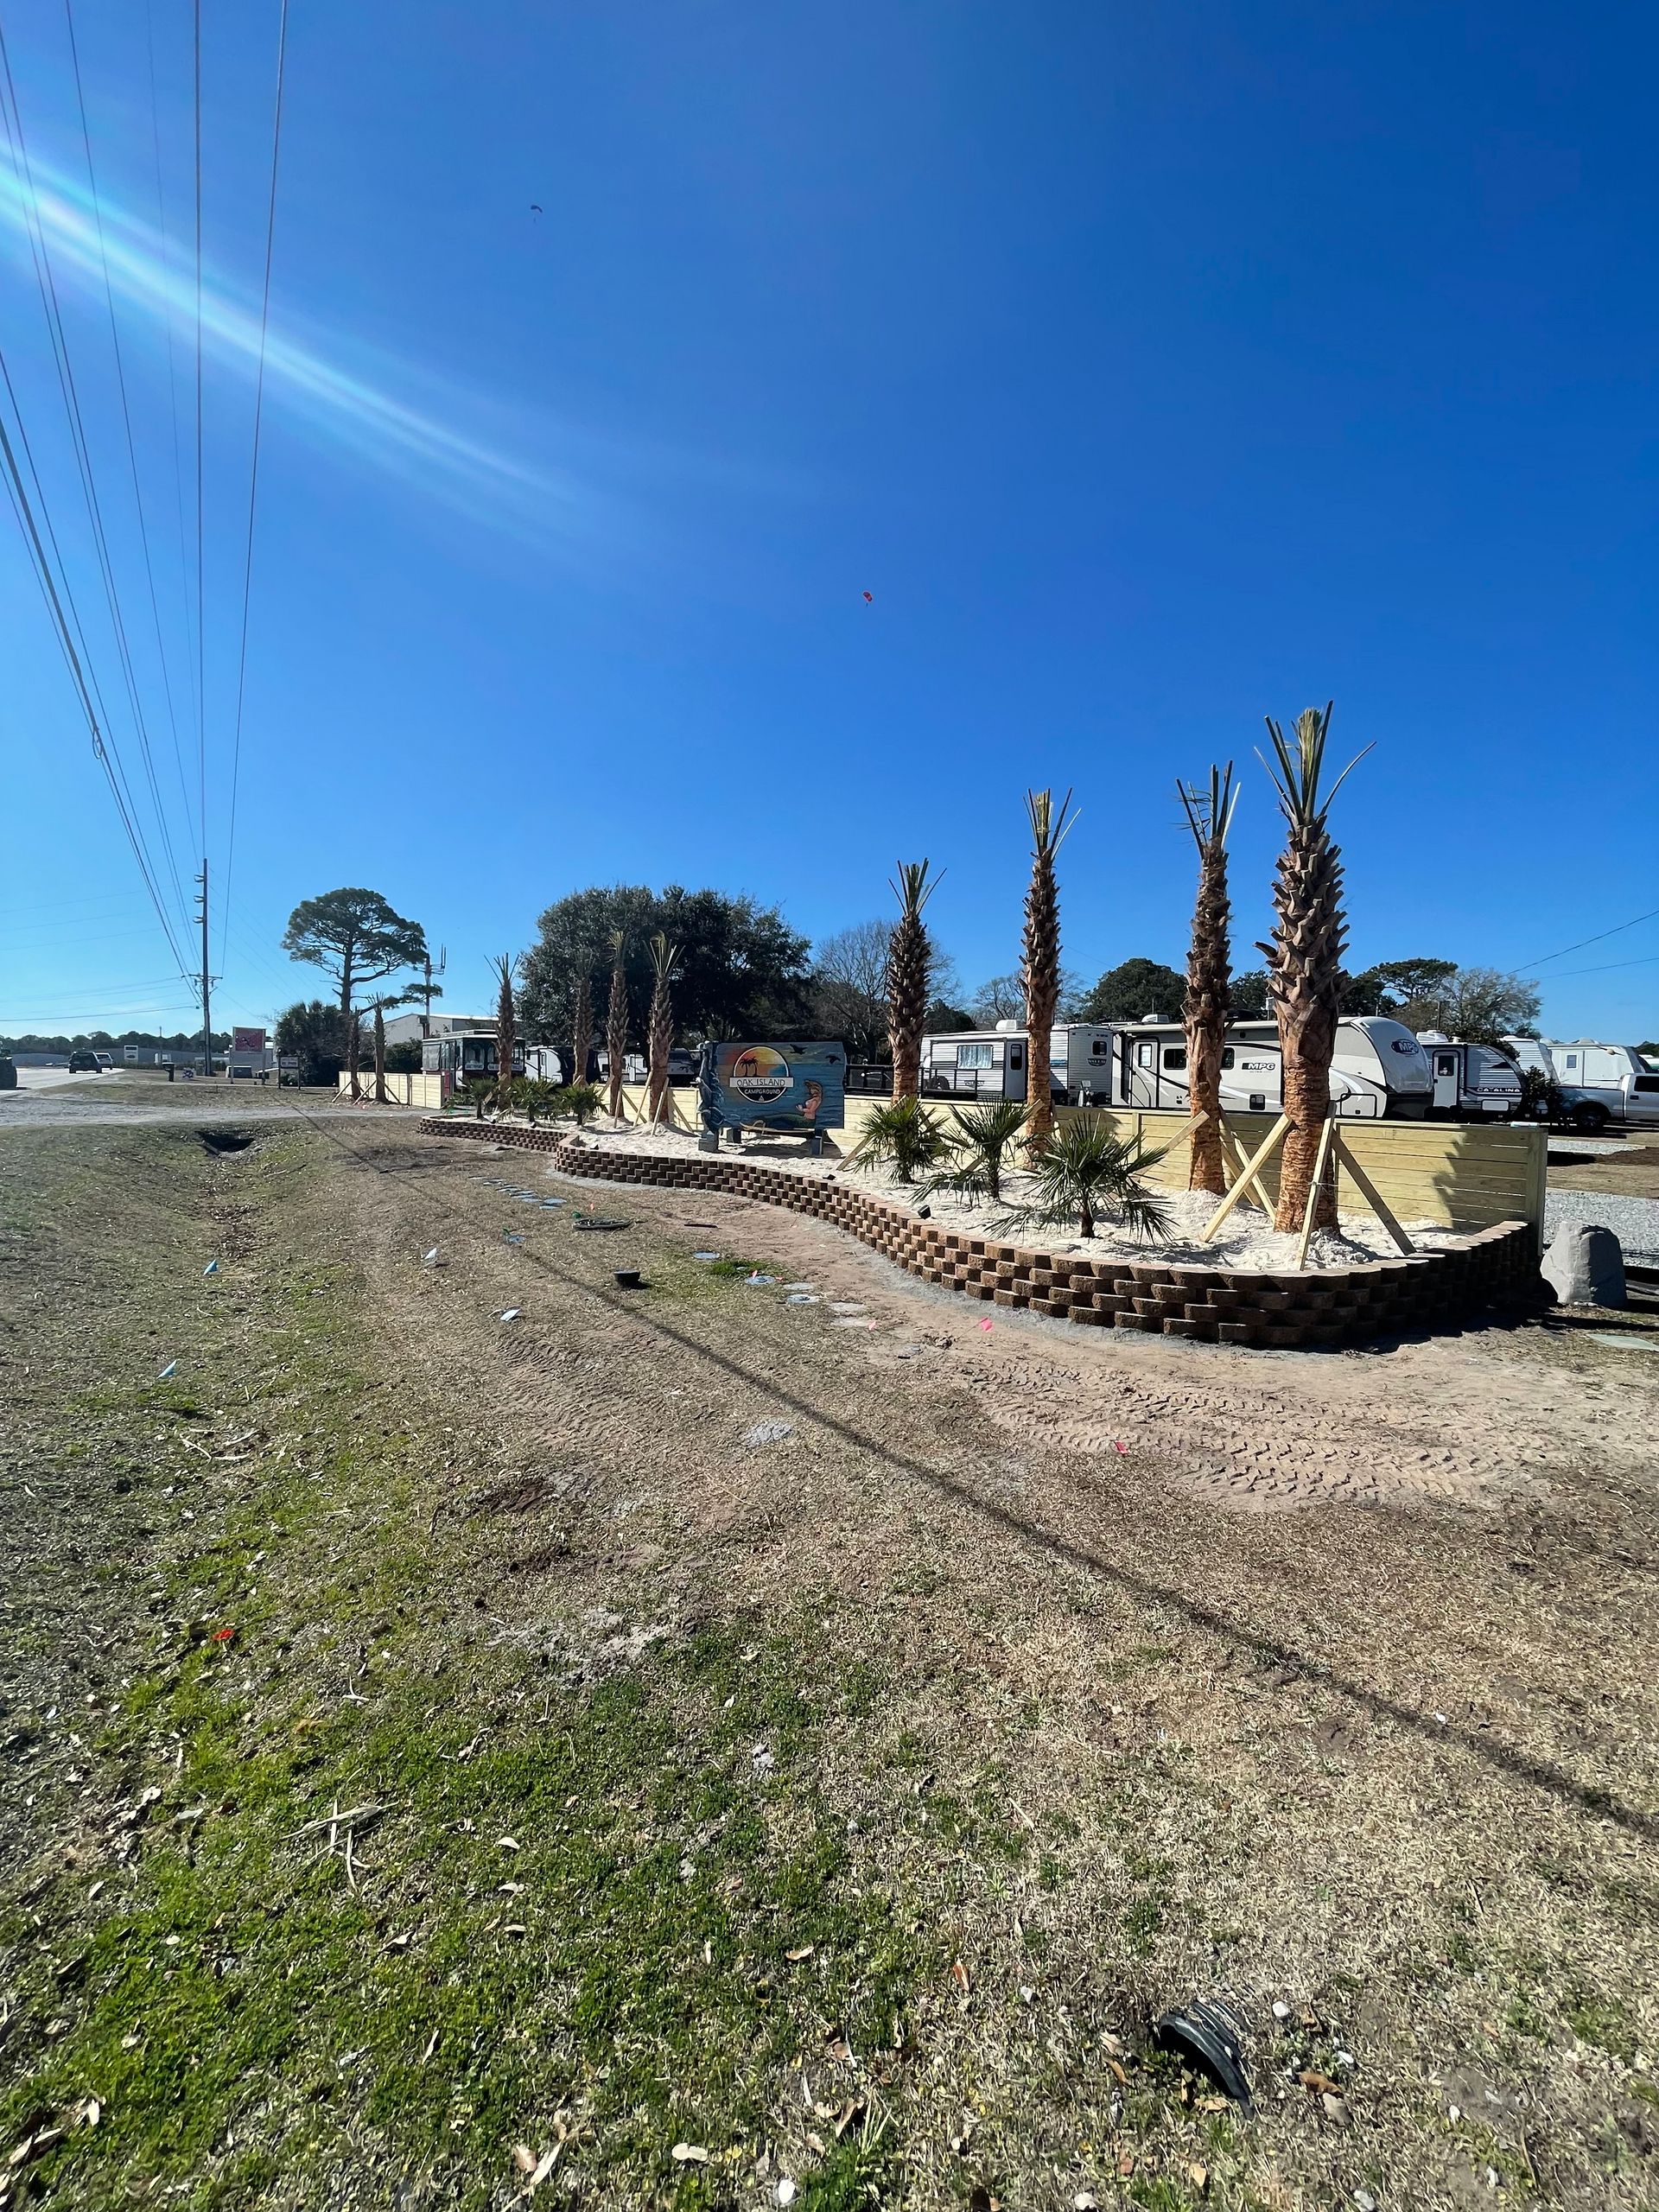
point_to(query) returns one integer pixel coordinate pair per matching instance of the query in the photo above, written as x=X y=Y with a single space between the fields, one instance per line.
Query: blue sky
x=1154 y=369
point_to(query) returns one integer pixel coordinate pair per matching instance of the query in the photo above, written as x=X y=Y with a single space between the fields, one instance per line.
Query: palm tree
x=663 y=957
x=382 y=1007
x=980 y=1145
x=1081 y=1171
x=616 y=1022
x=582 y=1027
x=910 y=961
x=1208 y=977
x=1305 y=976
x=901 y=1135
x=504 y=968
x=1039 y=965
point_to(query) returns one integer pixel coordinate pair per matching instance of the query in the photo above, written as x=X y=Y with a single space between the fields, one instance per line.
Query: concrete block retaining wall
x=1328 y=1306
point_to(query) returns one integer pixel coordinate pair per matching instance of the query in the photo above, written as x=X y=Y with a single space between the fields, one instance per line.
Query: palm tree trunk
x=354 y=1052
x=379 y=1056
x=662 y=1038
x=616 y=1038
x=1041 y=959
x=1307 y=1102
x=581 y=1030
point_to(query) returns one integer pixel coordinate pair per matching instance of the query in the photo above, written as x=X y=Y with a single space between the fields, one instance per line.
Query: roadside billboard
x=801 y=1085
x=247 y=1040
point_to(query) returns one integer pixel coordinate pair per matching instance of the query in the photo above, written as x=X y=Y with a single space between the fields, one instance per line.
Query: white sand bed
x=1246 y=1240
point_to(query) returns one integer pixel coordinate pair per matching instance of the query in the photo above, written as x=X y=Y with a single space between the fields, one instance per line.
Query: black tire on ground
x=1589 y=1119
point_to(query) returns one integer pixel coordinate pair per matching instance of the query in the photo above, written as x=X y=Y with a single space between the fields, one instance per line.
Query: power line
x=253 y=472
x=1543 y=959
x=202 y=692
x=1646 y=960
x=11 y=112
x=172 y=360
x=126 y=419
x=43 y=574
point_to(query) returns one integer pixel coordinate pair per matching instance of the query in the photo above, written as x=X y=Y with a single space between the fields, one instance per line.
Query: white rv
x=1599 y=1083
x=1469 y=1080
x=991 y=1063
x=1379 y=1070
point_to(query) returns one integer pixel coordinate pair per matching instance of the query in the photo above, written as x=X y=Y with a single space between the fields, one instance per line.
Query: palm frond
x=1210 y=813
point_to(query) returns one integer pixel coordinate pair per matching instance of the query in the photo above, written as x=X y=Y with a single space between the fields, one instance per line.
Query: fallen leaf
x=524 y=2157
x=1126 y=2162
x=1314 y=2079
x=1115 y=2067
x=802 y=1951
x=959 y=1976
x=506 y=1843
x=1198 y=2175
x=690 y=2154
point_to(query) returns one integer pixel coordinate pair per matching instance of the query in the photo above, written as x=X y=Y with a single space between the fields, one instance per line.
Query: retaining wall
x=1328 y=1305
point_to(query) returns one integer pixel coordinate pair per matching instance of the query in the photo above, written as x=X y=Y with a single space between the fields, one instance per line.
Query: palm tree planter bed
x=1328 y=1305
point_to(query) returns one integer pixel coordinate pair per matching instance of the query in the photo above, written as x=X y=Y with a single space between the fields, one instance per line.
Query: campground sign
x=791 y=1085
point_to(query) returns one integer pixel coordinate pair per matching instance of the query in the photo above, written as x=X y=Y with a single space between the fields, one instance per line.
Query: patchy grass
x=867 y=1875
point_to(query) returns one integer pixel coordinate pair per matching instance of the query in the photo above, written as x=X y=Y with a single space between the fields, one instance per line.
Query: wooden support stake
x=1270 y=1144
x=1325 y=1135
x=1370 y=1191
x=1241 y=1173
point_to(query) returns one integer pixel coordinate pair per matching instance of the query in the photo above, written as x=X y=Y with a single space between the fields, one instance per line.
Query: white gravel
x=1634 y=1222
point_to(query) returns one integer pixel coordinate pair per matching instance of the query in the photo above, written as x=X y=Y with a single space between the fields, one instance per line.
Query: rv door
x=1448 y=1076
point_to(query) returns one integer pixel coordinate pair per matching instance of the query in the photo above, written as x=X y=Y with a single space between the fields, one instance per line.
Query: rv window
x=1444 y=1063
x=975 y=1056
x=1016 y=1056
x=1227 y=1056
x=1572 y=1059
x=1101 y=1049
x=1174 y=1056
x=1143 y=1056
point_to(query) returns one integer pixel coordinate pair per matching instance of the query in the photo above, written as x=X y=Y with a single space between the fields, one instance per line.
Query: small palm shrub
x=1081 y=1171
x=478 y=1091
x=583 y=1100
x=985 y=1135
x=903 y=1137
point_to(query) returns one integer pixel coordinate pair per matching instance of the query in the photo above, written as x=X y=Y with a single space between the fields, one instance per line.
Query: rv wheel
x=1589 y=1119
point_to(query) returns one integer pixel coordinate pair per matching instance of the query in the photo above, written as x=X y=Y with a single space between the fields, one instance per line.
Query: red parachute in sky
x=869 y=599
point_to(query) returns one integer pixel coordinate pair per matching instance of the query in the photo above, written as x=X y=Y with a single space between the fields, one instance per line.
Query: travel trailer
x=1469 y=1079
x=1380 y=1070
x=1599 y=1083
x=991 y=1063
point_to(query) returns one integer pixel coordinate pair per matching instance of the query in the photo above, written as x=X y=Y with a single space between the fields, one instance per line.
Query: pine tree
x=910 y=961
x=1039 y=967
x=1304 y=977
x=1208 y=975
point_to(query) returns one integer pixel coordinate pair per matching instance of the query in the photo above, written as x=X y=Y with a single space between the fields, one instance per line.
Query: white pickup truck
x=1599 y=1083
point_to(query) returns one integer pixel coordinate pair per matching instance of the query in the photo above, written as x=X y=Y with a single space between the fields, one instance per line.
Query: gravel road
x=1634 y=1222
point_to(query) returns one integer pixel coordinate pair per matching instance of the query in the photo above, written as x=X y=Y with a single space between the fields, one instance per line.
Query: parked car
x=84 y=1063
x=105 y=1062
x=682 y=1066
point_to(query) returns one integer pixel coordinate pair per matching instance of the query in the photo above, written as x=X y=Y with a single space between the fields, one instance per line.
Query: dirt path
x=971 y=1736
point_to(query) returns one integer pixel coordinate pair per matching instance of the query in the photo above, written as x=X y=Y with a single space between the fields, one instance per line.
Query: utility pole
x=206 y=982
x=443 y=962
